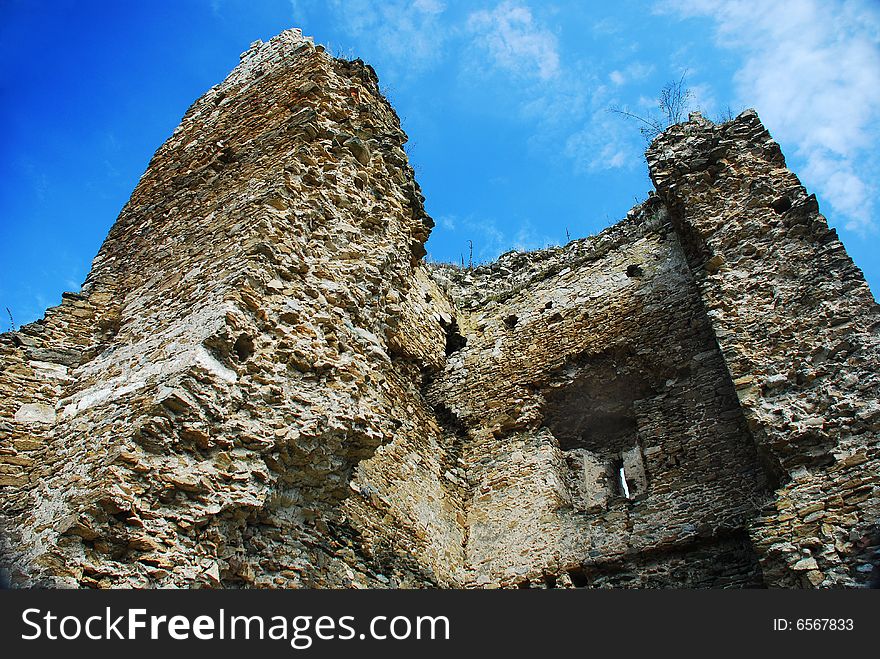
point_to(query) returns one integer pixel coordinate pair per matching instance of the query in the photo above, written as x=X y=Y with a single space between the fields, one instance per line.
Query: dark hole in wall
x=243 y=348
x=578 y=578
x=455 y=434
x=634 y=270
x=454 y=340
x=550 y=580
x=448 y=419
x=602 y=430
x=122 y=515
x=524 y=585
x=511 y=321
x=781 y=205
x=774 y=473
x=595 y=409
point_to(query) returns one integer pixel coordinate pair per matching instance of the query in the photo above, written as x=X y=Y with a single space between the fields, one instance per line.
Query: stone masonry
x=263 y=384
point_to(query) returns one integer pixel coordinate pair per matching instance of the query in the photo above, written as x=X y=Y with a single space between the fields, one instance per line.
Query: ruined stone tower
x=262 y=384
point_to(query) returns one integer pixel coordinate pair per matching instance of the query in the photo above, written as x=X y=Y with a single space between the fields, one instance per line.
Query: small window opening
x=511 y=321
x=618 y=473
x=621 y=475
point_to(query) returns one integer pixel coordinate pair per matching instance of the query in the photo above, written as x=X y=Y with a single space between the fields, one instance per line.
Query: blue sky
x=505 y=102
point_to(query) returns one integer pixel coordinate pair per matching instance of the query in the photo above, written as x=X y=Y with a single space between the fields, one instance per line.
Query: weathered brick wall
x=798 y=328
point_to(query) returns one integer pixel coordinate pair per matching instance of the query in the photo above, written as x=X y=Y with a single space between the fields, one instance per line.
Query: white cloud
x=565 y=101
x=515 y=41
x=408 y=34
x=606 y=27
x=701 y=97
x=300 y=13
x=571 y=118
x=446 y=222
x=604 y=143
x=632 y=73
x=812 y=70
x=528 y=237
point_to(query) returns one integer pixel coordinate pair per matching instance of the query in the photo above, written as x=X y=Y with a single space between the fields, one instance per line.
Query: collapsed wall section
x=798 y=328
x=606 y=446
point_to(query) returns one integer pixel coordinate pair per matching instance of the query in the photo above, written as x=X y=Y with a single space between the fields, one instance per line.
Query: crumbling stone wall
x=262 y=384
x=798 y=328
x=257 y=276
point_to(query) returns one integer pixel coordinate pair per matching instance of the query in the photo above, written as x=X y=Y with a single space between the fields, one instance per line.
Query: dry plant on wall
x=672 y=104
